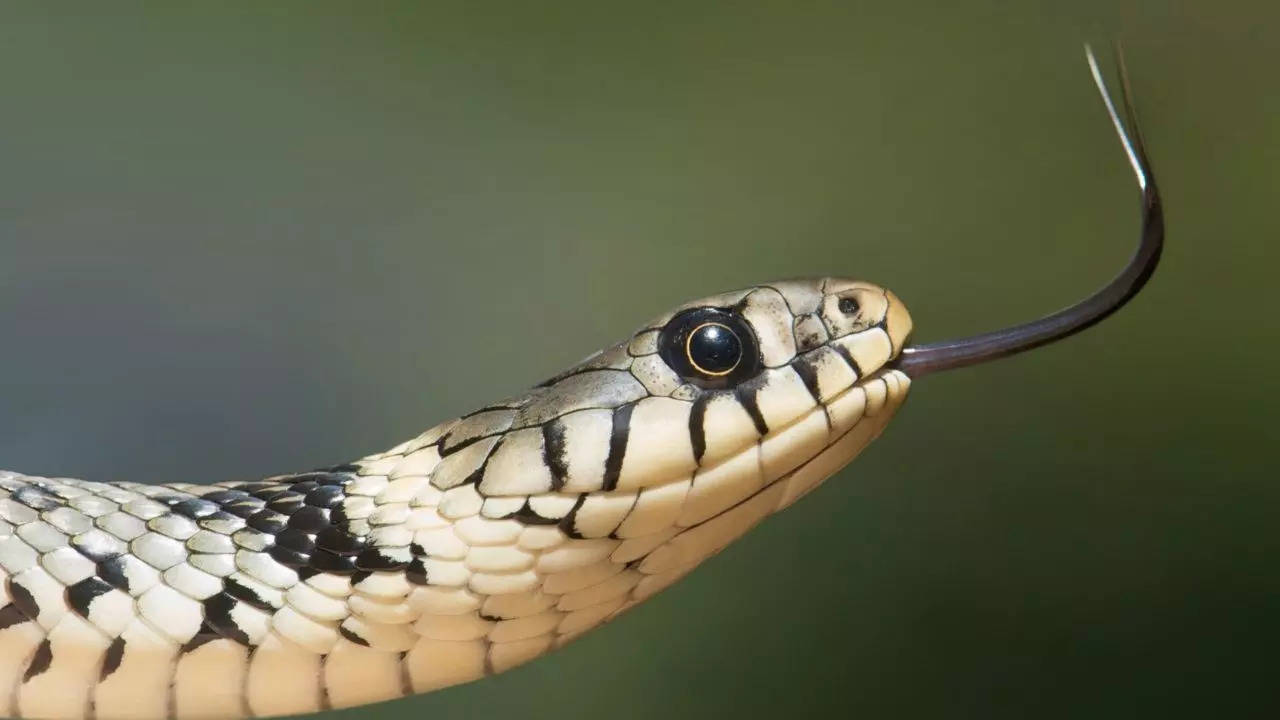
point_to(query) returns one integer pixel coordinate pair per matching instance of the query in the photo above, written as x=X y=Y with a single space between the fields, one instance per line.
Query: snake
x=487 y=540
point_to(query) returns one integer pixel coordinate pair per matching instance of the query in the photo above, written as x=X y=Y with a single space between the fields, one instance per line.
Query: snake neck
x=499 y=572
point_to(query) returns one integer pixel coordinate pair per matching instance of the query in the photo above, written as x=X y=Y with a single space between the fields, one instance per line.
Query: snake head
x=745 y=397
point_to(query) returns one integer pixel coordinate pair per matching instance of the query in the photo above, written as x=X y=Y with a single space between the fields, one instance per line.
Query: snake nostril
x=848 y=306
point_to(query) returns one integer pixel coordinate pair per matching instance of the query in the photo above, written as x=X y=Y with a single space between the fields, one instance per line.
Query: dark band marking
x=746 y=394
x=286 y=505
x=10 y=615
x=807 y=369
x=40 y=661
x=111 y=570
x=82 y=594
x=326 y=496
x=478 y=474
x=462 y=445
x=21 y=598
x=568 y=522
x=456 y=439
x=340 y=542
x=223 y=496
x=528 y=516
x=617 y=446
x=338 y=475
x=697 y=431
x=416 y=572
x=111 y=660
x=217 y=615
x=195 y=508
x=843 y=352
x=303 y=521
x=243 y=509
x=325 y=561
x=37 y=498
x=554 y=453
x=269 y=522
x=310 y=519
x=289 y=557
x=296 y=540
x=384 y=559
x=348 y=634
x=243 y=592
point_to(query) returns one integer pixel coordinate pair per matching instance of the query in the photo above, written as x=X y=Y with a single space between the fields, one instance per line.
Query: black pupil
x=848 y=306
x=714 y=349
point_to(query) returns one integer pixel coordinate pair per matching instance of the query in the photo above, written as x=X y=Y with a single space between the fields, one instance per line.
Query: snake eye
x=848 y=306
x=710 y=347
x=713 y=349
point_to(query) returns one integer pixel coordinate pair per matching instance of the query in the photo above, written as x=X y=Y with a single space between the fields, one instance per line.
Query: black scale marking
x=111 y=661
x=528 y=516
x=10 y=615
x=111 y=571
x=352 y=636
x=746 y=394
x=23 y=600
x=617 y=446
x=808 y=372
x=40 y=661
x=217 y=618
x=843 y=352
x=568 y=524
x=298 y=519
x=554 y=452
x=697 y=429
x=245 y=594
x=81 y=595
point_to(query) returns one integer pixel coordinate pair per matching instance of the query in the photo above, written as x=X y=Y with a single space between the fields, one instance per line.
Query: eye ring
x=716 y=342
x=710 y=347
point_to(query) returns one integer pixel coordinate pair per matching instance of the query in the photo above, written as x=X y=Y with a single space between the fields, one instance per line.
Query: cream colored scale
x=550 y=588
x=488 y=540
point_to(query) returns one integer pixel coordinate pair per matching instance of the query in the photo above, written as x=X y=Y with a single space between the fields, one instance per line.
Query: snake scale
x=487 y=540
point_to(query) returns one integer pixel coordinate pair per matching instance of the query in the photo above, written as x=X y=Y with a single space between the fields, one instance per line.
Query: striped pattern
x=477 y=546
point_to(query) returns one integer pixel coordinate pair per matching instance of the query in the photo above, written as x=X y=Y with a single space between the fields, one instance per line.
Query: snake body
x=478 y=545
x=487 y=540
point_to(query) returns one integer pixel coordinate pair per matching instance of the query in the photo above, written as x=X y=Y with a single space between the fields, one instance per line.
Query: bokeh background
x=244 y=238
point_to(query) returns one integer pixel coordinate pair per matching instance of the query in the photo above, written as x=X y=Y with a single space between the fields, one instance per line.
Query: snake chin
x=724 y=508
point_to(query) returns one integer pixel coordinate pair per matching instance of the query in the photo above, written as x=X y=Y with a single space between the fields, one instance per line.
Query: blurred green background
x=246 y=238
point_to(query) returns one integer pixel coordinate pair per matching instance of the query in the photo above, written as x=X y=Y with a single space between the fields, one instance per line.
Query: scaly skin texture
x=479 y=545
